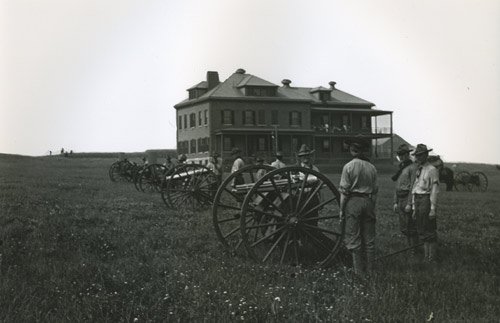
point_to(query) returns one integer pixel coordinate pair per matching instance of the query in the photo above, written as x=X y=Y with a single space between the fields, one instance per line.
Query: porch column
x=222 y=146
x=376 y=141
x=392 y=142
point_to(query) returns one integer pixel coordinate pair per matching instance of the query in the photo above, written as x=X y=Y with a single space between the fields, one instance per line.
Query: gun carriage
x=474 y=182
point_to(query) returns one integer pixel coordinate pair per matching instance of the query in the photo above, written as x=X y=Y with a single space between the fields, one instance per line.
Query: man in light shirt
x=359 y=188
x=278 y=163
x=402 y=199
x=424 y=202
x=215 y=165
x=238 y=164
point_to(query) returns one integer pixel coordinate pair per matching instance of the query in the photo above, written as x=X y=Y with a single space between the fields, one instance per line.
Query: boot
x=432 y=251
x=357 y=262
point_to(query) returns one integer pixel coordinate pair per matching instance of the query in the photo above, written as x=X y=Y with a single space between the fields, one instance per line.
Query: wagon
x=282 y=216
x=467 y=181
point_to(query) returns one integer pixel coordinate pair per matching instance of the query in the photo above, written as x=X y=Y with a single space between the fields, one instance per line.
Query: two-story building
x=260 y=117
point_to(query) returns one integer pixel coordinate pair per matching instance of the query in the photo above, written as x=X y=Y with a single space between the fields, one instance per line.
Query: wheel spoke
x=277 y=208
x=285 y=247
x=229 y=219
x=317 y=207
x=313 y=227
x=268 y=236
x=277 y=190
x=229 y=207
x=316 y=241
x=313 y=193
x=301 y=191
x=273 y=246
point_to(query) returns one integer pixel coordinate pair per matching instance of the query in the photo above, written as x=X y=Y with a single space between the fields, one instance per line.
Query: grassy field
x=77 y=247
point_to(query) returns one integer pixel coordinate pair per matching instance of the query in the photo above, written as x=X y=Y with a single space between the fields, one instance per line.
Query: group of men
x=415 y=201
x=415 y=197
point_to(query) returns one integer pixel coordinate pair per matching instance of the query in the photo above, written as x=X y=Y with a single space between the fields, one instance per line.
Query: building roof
x=201 y=85
x=231 y=89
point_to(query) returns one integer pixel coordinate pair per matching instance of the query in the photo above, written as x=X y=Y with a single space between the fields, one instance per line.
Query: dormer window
x=260 y=91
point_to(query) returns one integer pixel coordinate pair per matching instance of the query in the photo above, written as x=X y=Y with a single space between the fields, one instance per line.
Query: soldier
x=278 y=163
x=238 y=163
x=305 y=159
x=359 y=188
x=215 y=165
x=424 y=201
x=168 y=163
x=261 y=172
x=404 y=179
x=181 y=159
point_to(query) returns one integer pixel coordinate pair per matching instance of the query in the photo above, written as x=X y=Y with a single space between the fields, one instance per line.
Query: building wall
x=196 y=132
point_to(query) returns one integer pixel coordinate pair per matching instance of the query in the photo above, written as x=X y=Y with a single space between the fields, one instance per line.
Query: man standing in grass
x=404 y=179
x=359 y=188
x=238 y=164
x=424 y=202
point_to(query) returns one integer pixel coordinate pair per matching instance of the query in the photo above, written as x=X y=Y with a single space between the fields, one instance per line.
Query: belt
x=358 y=194
x=402 y=193
x=421 y=196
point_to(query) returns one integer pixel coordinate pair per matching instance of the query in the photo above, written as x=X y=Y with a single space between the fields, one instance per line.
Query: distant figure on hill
x=50 y=152
x=62 y=151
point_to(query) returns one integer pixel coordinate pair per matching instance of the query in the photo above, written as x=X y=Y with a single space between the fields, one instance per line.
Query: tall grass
x=77 y=247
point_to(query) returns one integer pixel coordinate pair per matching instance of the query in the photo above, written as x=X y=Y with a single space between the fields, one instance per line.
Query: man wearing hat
x=305 y=159
x=215 y=165
x=278 y=163
x=359 y=188
x=402 y=200
x=424 y=201
x=238 y=164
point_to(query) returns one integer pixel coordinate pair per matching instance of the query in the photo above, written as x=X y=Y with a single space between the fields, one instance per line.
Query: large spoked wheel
x=114 y=172
x=226 y=210
x=164 y=184
x=462 y=181
x=191 y=187
x=479 y=182
x=151 y=178
x=120 y=171
x=291 y=216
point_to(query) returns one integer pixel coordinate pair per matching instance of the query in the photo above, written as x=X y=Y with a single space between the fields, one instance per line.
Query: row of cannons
x=461 y=180
x=280 y=216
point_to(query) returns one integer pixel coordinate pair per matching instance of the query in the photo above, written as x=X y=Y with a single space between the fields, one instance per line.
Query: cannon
x=282 y=216
x=123 y=170
x=473 y=182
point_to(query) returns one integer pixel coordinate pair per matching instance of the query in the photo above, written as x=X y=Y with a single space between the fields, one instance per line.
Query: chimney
x=286 y=82
x=212 y=79
x=332 y=85
x=240 y=71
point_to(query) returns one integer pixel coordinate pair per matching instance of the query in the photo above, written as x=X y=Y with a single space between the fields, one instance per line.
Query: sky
x=104 y=75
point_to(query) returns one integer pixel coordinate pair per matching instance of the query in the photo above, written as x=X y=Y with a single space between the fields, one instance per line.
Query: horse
x=446 y=175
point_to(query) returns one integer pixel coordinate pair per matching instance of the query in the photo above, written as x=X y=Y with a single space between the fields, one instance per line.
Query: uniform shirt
x=278 y=164
x=237 y=164
x=426 y=176
x=215 y=167
x=406 y=179
x=311 y=167
x=358 y=176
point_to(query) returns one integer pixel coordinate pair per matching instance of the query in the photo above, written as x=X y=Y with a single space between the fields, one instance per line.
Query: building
x=260 y=117
x=384 y=147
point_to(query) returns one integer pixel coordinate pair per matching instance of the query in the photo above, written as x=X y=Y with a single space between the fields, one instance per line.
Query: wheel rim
x=226 y=210
x=481 y=181
x=462 y=180
x=291 y=215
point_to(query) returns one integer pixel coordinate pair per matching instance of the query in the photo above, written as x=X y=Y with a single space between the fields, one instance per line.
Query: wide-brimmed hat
x=235 y=151
x=421 y=149
x=182 y=157
x=403 y=149
x=358 y=142
x=305 y=151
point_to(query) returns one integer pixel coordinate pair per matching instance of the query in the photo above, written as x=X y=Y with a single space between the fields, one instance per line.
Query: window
x=185 y=121
x=345 y=120
x=344 y=147
x=295 y=118
x=199 y=118
x=206 y=117
x=262 y=144
x=227 y=144
x=193 y=146
x=365 y=122
x=179 y=125
x=227 y=117
x=257 y=91
x=192 y=120
x=295 y=144
x=326 y=145
x=249 y=117
x=274 y=117
x=324 y=96
x=200 y=145
x=261 y=117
